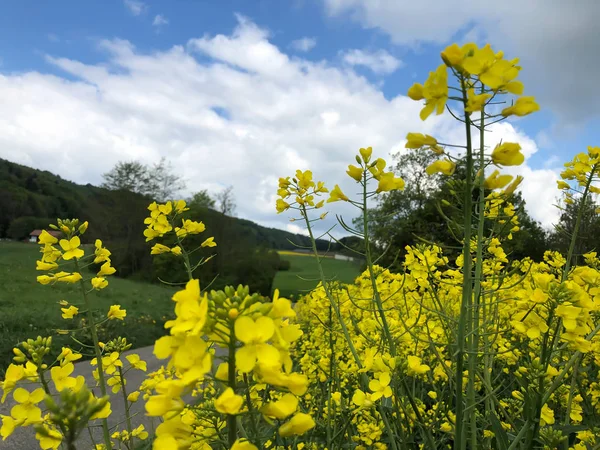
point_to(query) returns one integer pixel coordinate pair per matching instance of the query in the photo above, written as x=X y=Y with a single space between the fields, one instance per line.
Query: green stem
x=231 y=419
x=368 y=256
x=477 y=297
x=363 y=378
x=467 y=291
x=127 y=415
x=97 y=351
x=578 y=222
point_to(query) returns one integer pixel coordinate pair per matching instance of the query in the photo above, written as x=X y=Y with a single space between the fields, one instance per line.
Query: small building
x=343 y=257
x=35 y=234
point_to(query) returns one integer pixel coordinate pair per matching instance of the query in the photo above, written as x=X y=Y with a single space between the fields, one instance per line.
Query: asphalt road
x=24 y=438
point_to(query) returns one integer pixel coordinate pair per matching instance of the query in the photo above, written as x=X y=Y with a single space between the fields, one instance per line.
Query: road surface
x=24 y=438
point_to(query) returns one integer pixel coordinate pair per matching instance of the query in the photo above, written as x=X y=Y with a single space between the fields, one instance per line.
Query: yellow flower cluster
x=162 y=221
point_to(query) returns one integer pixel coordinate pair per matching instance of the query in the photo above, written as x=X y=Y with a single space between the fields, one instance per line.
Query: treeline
x=31 y=199
x=414 y=215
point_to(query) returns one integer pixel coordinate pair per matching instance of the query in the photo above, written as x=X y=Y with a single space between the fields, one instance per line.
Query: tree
x=201 y=199
x=406 y=217
x=130 y=176
x=158 y=182
x=226 y=201
x=165 y=183
x=587 y=235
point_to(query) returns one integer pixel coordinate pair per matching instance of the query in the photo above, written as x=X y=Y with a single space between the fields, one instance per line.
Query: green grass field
x=29 y=309
x=303 y=274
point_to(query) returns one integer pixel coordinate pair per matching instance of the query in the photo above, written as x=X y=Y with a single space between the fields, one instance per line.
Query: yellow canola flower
x=362 y=400
x=136 y=362
x=453 y=55
x=365 y=153
x=493 y=71
x=443 y=166
x=115 y=312
x=133 y=396
x=355 y=172
x=418 y=140
x=389 y=182
x=99 y=283
x=415 y=367
x=522 y=107
x=508 y=154
x=167 y=399
x=26 y=410
x=61 y=377
x=435 y=92
x=191 y=310
x=13 y=375
x=101 y=254
x=106 y=269
x=190 y=227
x=66 y=277
x=497 y=181
x=83 y=227
x=49 y=438
x=229 y=402
x=297 y=425
x=46 y=238
x=281 y=206
x=43 y=265
x=254 y=335
x=475 y=102
x=158 y=249
x=381 y=386
x=282 y=408
x=243 y=444
x=304 y=179
x=180 y=206
x=209 y=242
x=336 y=195
x=71 y=248
x=70 y=312
x=563 y=185
x=67 y=355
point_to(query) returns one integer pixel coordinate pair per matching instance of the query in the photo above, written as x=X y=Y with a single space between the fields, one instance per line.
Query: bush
x=20 y=228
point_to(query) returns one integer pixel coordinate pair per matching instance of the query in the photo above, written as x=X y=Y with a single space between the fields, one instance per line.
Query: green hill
x=31 y=199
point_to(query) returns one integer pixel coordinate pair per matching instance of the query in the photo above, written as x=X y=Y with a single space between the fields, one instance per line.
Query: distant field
x=303 y=274
x=29 y=309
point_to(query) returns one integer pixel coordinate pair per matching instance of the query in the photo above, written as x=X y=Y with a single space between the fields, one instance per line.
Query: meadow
x=303 y=275
x=30 y=309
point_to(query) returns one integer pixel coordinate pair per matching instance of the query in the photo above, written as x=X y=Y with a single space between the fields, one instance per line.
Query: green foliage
x=21 y=227
x=158 y=182
x=201 y=199
x=589 y=229
x=404 y=218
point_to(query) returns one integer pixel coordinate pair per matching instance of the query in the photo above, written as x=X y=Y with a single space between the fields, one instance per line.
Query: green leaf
x=501 y=436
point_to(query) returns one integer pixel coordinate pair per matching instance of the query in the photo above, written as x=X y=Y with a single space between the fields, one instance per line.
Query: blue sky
x=237 y=92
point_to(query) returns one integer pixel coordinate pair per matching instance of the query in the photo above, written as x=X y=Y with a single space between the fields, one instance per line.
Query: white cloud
x=160 y=20
x=556 y=41
x=380 y=61
x=243 y=114
x=304 y=44
x=136 y=7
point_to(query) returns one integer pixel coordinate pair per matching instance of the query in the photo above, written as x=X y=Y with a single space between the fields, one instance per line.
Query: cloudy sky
x=243 y=92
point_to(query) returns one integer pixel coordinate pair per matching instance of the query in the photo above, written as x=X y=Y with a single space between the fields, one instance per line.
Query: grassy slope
x=289 y=282
x=30 y=309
